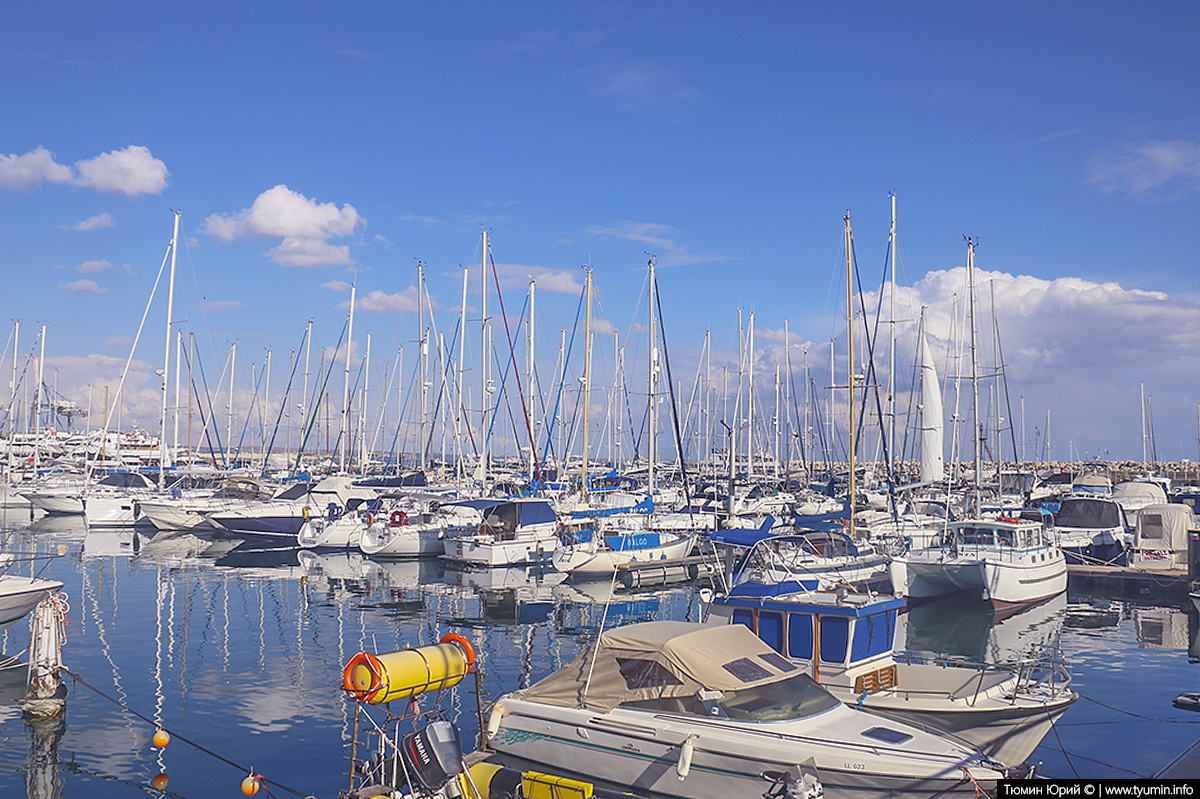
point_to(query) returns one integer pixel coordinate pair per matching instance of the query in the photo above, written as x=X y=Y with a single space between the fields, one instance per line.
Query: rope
x=1136 y=715
x=266 y=783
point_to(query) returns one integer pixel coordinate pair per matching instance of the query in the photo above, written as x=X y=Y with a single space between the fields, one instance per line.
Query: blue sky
x=310 y=146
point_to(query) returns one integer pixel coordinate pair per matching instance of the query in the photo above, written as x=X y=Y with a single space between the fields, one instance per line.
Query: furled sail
x=932 y=463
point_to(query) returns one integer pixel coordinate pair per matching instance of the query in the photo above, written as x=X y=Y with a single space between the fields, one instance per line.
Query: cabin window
x=793 y=698
x=835 y=638
x=1004 y=537
x=800 y=636
x=770 y=629
x=1152 y=525
x=873 y=635
x=975 y=535
x=640 y=673
x=743 y=616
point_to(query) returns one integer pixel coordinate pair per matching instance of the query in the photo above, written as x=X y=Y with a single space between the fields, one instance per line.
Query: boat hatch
x=886 y=735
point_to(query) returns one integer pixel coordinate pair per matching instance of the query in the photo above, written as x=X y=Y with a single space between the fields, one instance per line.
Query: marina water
x=240 y=655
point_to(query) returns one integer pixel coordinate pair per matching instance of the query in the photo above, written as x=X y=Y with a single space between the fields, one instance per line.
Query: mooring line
x=265 y=782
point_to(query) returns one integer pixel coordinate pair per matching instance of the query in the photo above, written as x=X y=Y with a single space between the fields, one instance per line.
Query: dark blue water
x=243 y=655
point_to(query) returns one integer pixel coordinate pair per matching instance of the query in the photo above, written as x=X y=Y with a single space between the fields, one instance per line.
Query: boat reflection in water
x=973 y=631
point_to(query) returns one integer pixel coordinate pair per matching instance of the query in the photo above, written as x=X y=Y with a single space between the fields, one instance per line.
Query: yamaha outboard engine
x=434 y=756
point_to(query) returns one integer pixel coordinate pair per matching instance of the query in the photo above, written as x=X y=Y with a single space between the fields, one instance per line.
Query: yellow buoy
x=409 y=672
x=250 y=785
x=161 y=738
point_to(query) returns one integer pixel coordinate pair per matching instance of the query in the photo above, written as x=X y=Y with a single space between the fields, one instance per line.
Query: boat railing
x=1040 y=672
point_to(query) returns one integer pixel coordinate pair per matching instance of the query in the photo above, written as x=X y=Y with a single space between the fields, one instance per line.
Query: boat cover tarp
x=1139 y=494
x=1083 y=512
x=1164 y=527
x=661 y=659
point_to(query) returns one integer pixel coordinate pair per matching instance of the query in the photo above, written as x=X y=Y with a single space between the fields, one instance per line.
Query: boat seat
x=873 y=682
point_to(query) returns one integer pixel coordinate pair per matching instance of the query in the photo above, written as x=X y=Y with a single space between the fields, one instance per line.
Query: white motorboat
x=712 y=712
x=404 y=533
x=19 y=595
x=804 y=558
x=1092 y=529
x=846 y=642
x=1008 y=561
x=604 y=551
x=512 y=532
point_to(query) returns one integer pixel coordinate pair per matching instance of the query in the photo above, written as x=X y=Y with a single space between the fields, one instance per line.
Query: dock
x=1130 y=583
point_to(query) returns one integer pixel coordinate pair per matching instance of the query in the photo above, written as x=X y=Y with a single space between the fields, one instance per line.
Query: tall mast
x=462 y=350
x=850 y=359
x=750 y=398
x=652 y=442
x=978 y=430
x=891 y=394
x=162 y=433
x=587 y=373
x=483 y=394
x=345 y=443
x=423 y=349
x=529 y=381
x=362 y=413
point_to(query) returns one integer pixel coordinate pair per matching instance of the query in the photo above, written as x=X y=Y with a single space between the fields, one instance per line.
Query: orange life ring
x=370 y=519
x=467 y=649
x=399 y=518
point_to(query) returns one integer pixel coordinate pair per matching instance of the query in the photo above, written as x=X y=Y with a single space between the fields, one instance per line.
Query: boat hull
x=19 y=595
x=644 y=755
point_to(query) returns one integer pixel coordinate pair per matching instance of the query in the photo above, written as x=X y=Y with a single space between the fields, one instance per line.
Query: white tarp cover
x=1135 y=495
x=1162 y=528
x=661 y=659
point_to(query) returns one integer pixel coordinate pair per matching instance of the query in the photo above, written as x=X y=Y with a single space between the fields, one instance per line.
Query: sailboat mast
x=529 y=381
x=978 y=432
x=652 y=441
x=162 y=432
x=850 y=358
x=891 y=395
x=462 y=351
x=587 y=374
x=423 y=349
x=484 y=361
x=346 y=384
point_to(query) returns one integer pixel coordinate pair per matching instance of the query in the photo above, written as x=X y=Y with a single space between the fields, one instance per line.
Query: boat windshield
x=793 y=698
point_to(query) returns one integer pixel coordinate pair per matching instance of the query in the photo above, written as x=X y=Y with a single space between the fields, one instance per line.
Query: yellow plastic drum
x=410 y=672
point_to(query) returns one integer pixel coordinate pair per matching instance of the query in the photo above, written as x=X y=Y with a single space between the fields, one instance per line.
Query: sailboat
x=1008 y=561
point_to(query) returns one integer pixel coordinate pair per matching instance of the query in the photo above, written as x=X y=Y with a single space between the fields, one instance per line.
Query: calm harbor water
x=242 y=654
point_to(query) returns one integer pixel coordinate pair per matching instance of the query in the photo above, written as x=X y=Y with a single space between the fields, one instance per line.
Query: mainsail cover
x=932 y=463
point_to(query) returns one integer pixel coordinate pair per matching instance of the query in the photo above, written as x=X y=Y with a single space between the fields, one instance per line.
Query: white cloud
x=222 y=305
x=336 y=285
x=381 y=303
x=1149 y=169
x=309 y=252
x=92 y=223
x=131 y=172
x=644 y=86
x=426 y=221
x=83 y=287
x=658 y=240
x=93 y=266
x=30 y=170
x=304 y=224
x=118 y=341
x=516 y=276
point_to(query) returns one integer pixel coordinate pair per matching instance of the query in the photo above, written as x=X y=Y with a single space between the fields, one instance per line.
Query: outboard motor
x=434 y=756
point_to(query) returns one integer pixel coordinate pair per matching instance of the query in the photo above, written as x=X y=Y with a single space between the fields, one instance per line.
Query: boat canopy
x=1164 y=527
x=1088 y=512
x=660 y=660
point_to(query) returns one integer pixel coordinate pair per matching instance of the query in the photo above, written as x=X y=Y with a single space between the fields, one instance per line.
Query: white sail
x=932 y=464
